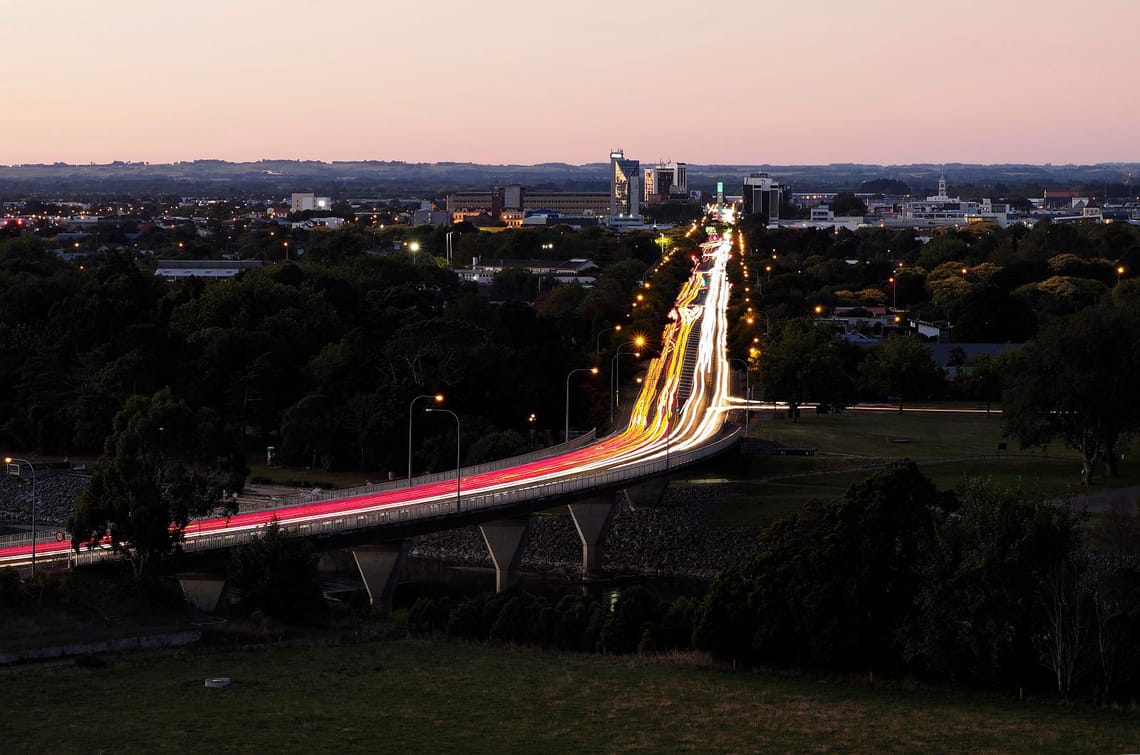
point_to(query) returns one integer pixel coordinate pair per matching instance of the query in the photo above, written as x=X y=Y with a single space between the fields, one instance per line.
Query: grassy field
x=919 y=435
x=950 y=448
x=415 y=696
x=311 y=477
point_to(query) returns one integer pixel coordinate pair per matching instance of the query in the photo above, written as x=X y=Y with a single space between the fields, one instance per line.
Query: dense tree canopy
x=802 y=362
x=1074 y=383
x=901 y=367
x=162 y=464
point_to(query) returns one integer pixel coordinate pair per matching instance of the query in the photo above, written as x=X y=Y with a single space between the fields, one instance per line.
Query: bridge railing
x=329 y=495
x=447 y=506
x=43 y=535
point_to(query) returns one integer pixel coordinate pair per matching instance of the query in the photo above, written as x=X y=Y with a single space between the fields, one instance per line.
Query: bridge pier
x=381 y=567
x=506 y=540
x=203 y=591
x=592 y=520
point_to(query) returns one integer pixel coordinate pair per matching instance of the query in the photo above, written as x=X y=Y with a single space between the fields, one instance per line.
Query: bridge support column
x=381 y=567
x=592 y=520
x=506 y=540
x=203 y=591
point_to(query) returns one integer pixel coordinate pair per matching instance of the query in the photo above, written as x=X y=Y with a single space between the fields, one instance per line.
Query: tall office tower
x=625 y=186
x=665 y=178
x=762 y=195
x=666 y=181
x=680 y=185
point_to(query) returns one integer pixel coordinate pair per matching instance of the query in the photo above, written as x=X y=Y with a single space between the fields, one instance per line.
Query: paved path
x=1112 y=501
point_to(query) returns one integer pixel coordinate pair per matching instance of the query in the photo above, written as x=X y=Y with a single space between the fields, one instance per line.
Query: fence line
x=43 y=535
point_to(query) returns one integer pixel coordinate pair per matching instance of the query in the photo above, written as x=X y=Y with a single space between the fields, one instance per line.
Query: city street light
x=747 y=392
x=894 y=292
x=615 y=372
x=598 y=338
x=458 y=467
x=1120 y=270
x=438 y=397
x=592 y=371
x=17 y=462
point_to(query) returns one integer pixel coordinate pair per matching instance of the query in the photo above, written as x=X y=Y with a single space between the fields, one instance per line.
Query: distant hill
x=374 y=178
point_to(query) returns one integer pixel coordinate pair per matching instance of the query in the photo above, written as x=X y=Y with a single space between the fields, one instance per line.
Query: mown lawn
x=917 y=435
x=419 y=696
x=949 y=447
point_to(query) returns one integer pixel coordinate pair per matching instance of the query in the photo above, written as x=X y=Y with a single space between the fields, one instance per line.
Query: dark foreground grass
x=413 y=696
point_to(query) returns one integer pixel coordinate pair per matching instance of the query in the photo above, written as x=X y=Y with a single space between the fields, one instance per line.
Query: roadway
x=662 y=428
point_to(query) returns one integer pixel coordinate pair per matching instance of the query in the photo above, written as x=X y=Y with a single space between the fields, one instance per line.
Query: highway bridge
x=677 y=420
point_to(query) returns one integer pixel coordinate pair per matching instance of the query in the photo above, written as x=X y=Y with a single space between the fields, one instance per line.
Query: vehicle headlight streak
x=698 y=422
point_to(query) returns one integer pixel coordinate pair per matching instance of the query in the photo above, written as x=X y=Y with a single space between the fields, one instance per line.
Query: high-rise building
x=680 y=185
x=666 y=181
x=625 y=186
x=762 y=195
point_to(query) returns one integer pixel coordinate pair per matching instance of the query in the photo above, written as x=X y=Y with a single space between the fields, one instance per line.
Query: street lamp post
x=18 y=462
x=615 y=373
x=598 y=339
x=894 y=292
x=747 y=392
x=438 y=398
x=592 y=371
x=458 y=458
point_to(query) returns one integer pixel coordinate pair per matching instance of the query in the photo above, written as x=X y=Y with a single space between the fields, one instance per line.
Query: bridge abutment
x=506 y=540
x=381 y=567
x=592 y=520
x=203 y=591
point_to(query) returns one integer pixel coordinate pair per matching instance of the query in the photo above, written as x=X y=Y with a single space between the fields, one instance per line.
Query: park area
x=437 y=696
x=949 y=446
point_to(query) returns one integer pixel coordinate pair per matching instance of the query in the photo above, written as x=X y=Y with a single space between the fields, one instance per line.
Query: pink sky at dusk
x=745 y=81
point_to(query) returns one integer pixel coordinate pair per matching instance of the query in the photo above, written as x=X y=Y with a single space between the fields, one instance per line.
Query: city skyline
x=739 y=83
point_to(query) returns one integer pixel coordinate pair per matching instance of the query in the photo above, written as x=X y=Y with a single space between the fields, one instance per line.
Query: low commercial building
x=483 y=272
x=307 y=202
x=173 y=269
x=514 y=199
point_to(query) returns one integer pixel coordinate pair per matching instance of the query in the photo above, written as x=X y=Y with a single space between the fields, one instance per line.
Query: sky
x=522 y=82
